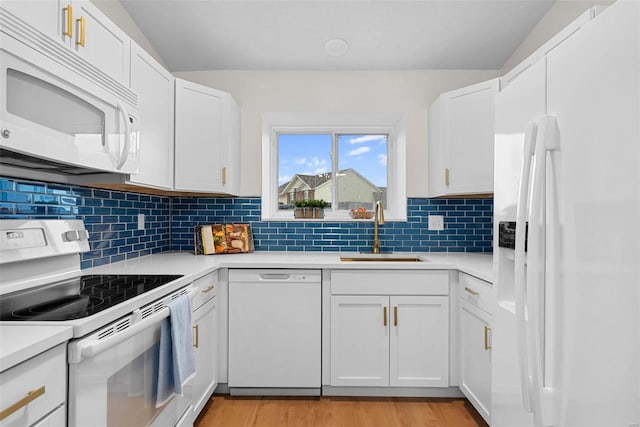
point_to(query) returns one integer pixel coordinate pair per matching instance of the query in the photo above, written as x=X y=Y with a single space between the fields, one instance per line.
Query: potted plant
x=309 y=208
x=317 y=207
x=302 y=209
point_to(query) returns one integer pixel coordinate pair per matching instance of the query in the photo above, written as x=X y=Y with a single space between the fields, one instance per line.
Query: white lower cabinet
x=475 y=343
x=34 y=392
x=205 y=341
x=389 y=340
x=205 y=332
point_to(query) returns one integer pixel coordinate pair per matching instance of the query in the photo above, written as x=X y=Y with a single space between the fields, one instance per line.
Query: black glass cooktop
x=77 y=298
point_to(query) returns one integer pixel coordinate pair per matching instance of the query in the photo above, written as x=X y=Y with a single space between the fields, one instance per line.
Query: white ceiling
x=290 y=34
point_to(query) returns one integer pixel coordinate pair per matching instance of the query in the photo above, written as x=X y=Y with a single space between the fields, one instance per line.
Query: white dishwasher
x=274 y=332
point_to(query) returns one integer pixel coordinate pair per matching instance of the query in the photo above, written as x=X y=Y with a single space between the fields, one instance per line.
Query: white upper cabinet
x=461 y=141
x=100 y=41
x=154 y=85
x=78 y=25
x=206 y=139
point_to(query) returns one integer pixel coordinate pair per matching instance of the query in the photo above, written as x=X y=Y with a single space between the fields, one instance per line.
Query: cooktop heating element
x=76 y=298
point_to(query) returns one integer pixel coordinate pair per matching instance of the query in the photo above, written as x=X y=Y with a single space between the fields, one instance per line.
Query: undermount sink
x=381 y=258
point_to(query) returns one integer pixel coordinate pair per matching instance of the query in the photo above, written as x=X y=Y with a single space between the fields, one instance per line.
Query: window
x=348 y=161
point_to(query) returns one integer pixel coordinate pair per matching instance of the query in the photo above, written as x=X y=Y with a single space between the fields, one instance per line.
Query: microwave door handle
x=127 y=136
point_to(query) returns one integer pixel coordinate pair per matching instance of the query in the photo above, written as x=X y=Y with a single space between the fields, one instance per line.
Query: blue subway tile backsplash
x=111 y=218
x=468 y=227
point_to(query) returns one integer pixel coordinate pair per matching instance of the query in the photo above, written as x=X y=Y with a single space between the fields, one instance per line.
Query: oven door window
x=117 y=386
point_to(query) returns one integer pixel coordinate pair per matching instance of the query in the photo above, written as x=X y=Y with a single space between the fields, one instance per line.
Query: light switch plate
x=140 y=221
x=436 y=222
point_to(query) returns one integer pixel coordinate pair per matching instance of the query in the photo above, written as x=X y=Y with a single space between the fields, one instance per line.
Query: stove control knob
x=76 y=235
x=71 y=236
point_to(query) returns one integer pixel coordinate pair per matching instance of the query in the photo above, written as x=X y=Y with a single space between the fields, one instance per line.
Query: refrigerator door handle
x=522 y=211
x=537 y=296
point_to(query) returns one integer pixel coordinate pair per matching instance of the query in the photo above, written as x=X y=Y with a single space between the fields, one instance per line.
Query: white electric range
x=113 y=355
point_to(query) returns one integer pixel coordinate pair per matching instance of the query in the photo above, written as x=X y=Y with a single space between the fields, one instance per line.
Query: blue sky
x=310 y=154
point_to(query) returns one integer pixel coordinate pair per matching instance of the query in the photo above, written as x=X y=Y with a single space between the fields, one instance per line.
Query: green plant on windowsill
x=311 y=208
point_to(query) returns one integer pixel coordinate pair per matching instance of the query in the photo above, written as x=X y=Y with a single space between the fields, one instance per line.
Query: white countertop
x=19 y=343
x=479 y=265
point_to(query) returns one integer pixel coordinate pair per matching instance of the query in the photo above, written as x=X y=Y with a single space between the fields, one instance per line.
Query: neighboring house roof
x=312 y=182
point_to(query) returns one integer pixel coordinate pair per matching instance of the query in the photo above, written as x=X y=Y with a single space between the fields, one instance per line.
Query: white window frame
x=392 y=124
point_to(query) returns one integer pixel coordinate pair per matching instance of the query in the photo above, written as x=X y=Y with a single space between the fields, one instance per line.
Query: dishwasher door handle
x=275 y=276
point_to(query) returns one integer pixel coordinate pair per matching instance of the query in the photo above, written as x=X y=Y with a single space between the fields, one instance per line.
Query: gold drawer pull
x=210 y=288
x=196 y=336
x=471 y=291
x=30 y=397
x=384 y=320
x=82 y=24
x=395 y=315
x=446 y=177
x=486 y=338
x=69 y=30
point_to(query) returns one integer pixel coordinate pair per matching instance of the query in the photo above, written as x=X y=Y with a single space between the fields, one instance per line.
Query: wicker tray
x=361 y=215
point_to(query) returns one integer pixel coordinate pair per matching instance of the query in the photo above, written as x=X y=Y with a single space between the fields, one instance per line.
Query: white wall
x=408 y=92
x=561 y=14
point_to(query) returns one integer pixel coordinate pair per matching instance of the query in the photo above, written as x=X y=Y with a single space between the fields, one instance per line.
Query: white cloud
x=359 y=151
x=367 y=138
x=300 y=161
x=382 y=159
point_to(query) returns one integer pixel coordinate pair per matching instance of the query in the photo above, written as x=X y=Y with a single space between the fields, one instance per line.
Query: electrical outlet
x=140 y=221
x=436 y=222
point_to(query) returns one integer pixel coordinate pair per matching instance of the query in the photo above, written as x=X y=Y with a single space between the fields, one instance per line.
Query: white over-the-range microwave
x=58 y=116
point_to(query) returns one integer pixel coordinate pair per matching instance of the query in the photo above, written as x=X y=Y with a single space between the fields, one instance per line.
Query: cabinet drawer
x=46 y=372
x=390 y=282
x=477 y=292
x=208 y=285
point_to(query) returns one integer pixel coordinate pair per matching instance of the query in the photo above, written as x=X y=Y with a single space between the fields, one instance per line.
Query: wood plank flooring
x=227 y=411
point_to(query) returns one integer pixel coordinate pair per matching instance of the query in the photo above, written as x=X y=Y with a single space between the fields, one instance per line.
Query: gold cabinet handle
x=471 y=291
x=82 y=23
x=446 y=177
x=384 y=320
x=486 y=338
x=210 y=288
x=224 y=175
x=395 y=315
x=196 y=336
x=30 y=397
x=69 y=12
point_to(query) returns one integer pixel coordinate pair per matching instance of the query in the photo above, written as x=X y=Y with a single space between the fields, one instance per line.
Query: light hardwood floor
x=226 y=411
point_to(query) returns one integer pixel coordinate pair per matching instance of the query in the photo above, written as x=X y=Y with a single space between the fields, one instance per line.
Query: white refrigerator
x=566 y=333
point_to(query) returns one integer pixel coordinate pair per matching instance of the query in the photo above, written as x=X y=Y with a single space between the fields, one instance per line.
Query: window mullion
x=334 y=171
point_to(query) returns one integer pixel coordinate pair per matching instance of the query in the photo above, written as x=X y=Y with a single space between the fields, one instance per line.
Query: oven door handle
x=84 y=349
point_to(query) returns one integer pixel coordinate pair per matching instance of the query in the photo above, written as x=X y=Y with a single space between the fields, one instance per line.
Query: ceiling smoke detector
x=336 y=47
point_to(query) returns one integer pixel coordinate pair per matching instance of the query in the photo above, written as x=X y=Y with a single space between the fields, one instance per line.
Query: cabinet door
x=55 y=419
x=205 y=329
x=359 y=340
x=47 y=16
x=461 y=141
x=198 y=141
x=231 y=147
x=475 y=357
x=154 y=85
x=469 y=122
x=419 y=341
x=101 y=42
